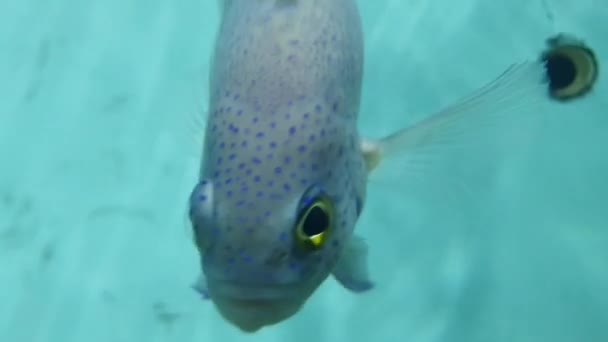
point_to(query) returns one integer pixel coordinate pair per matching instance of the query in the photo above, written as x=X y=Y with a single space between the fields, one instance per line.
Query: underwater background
x=101 y=111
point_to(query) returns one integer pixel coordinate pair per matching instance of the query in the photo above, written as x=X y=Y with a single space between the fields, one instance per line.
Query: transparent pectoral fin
x=352 y=270
x=502 y=112
x=185 y=131
x=371 y=153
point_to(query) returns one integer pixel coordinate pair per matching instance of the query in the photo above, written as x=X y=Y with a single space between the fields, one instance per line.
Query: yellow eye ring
x=315 y=223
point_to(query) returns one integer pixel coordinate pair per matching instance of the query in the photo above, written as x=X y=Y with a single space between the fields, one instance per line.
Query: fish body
x=284 y=171
x=281 y=133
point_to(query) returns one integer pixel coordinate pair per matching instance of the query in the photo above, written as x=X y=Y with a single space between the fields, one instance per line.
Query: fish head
x=268 y=236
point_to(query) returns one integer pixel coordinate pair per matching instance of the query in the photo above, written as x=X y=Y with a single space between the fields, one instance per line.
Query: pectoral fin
x=508 y=102
x=351 y=270
x=371 y=153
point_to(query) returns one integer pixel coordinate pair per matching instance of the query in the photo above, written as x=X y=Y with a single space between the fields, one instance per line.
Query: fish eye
x=315 y=221
x=571 y=66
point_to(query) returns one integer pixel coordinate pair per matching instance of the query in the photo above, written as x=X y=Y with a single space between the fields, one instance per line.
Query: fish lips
x=253 y=307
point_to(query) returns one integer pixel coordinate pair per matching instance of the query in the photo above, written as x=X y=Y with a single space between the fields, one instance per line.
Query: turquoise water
x=99 y=143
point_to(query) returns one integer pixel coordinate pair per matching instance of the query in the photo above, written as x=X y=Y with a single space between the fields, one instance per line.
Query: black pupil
x=316 y=222
x=561 y=71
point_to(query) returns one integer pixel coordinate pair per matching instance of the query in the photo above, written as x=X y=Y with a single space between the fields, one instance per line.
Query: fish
x=284 y=170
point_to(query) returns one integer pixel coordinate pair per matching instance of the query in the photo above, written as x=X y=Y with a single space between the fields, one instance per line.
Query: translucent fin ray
x=449 y=148
x=499 y=104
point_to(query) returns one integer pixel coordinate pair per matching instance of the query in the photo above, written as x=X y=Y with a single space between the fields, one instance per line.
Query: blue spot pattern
x=282 y=120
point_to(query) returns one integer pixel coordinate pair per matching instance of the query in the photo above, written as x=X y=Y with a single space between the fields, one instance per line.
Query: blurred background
x=101 y=112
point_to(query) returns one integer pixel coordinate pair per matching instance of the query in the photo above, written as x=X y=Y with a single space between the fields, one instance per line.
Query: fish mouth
x=254 y=304
x=252 y=298
x=251 y=308
x=252 y=291
x=250 y=315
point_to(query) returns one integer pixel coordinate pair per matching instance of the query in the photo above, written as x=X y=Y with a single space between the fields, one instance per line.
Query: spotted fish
x=284 y=170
